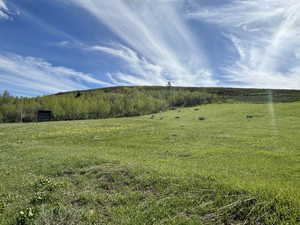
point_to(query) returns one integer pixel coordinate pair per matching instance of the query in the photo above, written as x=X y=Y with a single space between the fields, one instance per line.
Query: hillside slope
x=239 y=164
x=237 y=94
x=130 y=101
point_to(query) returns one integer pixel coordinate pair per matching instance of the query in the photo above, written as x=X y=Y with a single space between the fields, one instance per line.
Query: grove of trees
x=127 y=101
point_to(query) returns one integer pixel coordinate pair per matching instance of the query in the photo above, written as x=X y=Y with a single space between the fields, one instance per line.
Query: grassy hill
x=239 y=164
x=235 y=94
x=130 y=101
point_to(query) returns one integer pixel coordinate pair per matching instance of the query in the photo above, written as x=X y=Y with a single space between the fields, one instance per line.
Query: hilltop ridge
x=239 y=94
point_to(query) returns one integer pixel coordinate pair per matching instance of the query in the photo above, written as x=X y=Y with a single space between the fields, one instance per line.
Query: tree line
x=127 y=101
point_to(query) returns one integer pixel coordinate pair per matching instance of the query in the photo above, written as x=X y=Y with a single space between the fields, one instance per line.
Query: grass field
x=170 y=168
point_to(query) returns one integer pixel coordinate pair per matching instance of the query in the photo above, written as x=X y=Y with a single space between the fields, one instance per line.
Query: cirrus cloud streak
x=265 y=35
x=3 y=10
x=160 y=46
x=34 y=76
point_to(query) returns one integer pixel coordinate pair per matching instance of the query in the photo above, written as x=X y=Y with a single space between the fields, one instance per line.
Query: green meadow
x=239 y=165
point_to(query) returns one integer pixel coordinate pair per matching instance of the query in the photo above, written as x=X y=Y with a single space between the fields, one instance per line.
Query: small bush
x=46 y=184
x=26 y=217
x=2 y=206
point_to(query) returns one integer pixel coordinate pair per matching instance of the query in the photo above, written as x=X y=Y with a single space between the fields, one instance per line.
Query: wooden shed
x=44 y=115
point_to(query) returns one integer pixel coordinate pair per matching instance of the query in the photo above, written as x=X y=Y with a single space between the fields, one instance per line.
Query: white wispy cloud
x=3 y=10
x=160 y=45
x=265 y=35
x=139 y=70
x=34 y=76
x=62 y=43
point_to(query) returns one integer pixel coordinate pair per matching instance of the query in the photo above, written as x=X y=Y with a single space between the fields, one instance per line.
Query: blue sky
x=49 y=46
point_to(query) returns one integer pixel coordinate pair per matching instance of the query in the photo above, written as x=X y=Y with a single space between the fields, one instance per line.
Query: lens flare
x=272 y=112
